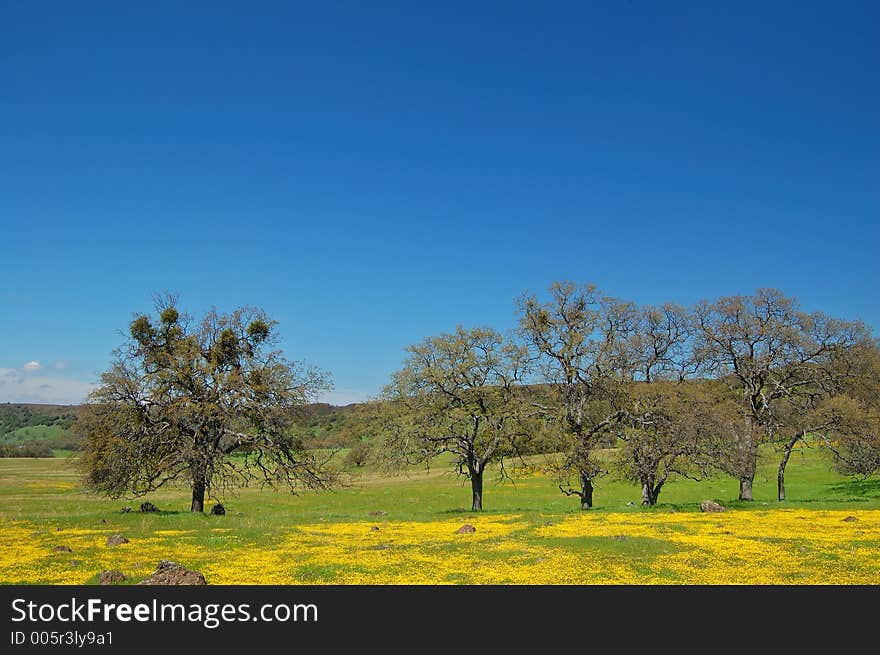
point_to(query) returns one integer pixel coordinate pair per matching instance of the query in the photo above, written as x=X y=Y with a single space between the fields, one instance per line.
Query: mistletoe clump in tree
x=206 y=401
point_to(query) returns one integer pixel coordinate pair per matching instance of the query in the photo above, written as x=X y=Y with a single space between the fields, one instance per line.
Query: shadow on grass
x=858 y=488
x=823 y=501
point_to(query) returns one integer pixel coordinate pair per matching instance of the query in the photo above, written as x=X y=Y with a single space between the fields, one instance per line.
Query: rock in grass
x=711 y=506
x=125 y=510
x=110 y=577
x=62 y=549
x=149 y=507
x=467 y=528
x=378 y=512
x=116 y=540
x=171 y=573
x=850 y=519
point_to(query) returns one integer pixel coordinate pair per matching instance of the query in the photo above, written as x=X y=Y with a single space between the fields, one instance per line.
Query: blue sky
x=373 y=173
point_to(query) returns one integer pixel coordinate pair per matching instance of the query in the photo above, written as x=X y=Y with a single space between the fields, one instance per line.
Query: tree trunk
x=646 y=494
x=650 y=493
x=745 y=488
x=198 y=497
x=586 y=492
x=477 y=491
x=780 y=476
x=750 y=464
x=749 y=453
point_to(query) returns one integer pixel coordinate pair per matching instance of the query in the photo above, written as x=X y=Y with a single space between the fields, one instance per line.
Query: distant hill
x=28 y=429
x=18 y=417
x=318 y=425
x=321 y=425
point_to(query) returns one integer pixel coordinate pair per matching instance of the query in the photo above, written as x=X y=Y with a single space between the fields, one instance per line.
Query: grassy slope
x=34 y=433
x=22 y=424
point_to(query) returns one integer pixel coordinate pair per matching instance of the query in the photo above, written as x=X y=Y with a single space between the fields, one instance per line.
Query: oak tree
x=671 y=429
x=668 y=422
x=580 y=338
x=458 y=393
x=206 y=401
x=854 y=433
x=770 y=351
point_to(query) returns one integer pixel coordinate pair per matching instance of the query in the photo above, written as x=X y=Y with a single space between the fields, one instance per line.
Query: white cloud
x=32 y=366
x=17 y=386
x=344 y=397
x=28 y=385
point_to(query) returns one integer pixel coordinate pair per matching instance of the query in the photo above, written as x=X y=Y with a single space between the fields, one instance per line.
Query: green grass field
x=34 y=433
x=528 y=533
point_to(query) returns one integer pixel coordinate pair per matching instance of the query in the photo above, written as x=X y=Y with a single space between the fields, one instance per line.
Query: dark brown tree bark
x=477 y=491
x=780 y=476
x=198 y=497
x=586 y=492
x=749 y=464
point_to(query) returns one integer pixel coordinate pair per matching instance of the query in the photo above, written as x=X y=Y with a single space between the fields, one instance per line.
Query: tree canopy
x=208 y=401
x=459 y=393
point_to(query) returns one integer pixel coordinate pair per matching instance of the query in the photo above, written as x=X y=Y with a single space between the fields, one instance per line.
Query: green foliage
x=258 y=331
x=226 y=349
x=141 y=330
x=459 y=393
x=357 y=455
x=169 y=316
x=320 y=425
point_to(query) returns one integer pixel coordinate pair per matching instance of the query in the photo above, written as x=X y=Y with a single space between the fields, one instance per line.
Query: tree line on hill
x=681 y=391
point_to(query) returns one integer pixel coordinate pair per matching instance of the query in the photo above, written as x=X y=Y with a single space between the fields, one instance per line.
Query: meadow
x=403 y=530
